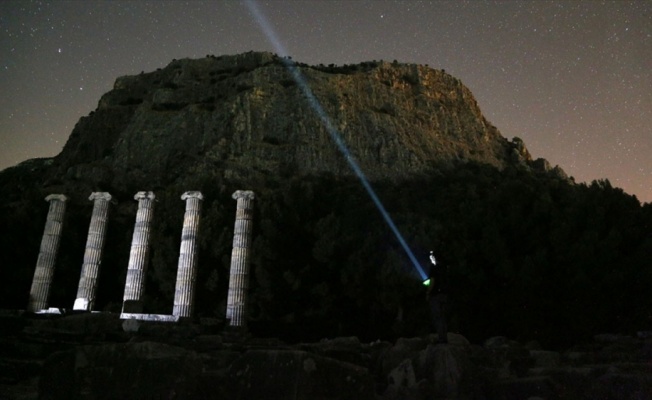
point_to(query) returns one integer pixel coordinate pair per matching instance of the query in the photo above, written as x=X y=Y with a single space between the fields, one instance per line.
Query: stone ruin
x=132 y=306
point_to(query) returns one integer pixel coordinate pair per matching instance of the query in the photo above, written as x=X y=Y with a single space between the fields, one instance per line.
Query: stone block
x=130 y=325
x=81 y=304
x=143 y=370
x=151 y=317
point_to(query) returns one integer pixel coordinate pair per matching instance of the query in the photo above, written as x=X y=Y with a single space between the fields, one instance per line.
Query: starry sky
x=573 y=79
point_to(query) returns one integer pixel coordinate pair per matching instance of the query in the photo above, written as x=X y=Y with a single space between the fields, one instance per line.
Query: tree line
x=531 y=256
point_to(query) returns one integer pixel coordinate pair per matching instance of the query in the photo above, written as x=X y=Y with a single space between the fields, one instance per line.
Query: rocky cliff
x=245 y=115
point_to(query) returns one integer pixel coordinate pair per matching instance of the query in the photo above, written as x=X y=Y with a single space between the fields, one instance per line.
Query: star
x=553 y=73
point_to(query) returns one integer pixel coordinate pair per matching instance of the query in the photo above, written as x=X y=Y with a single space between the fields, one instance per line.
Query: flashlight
x=426 y=282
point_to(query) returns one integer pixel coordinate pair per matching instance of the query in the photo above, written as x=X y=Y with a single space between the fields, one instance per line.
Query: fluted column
x=186 y=271
x=239 y=275
x=139 y=255
x=93 y=253
x=40 y=291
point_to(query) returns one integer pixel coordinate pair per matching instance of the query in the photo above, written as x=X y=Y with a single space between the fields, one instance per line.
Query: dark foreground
x=90 y=356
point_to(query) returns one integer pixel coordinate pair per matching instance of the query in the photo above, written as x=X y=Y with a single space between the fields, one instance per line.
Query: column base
x=153 y=317
x=51 y=310
x=132 y=322
x=82 y=304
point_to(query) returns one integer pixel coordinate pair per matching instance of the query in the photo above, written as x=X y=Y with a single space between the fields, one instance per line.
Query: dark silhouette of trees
x=532 y=256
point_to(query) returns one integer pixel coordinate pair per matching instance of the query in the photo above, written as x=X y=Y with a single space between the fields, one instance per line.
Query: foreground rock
x=292 y=374
x=89 y=356
x=122 y=371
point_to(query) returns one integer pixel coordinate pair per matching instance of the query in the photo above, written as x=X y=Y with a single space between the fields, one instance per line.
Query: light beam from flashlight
x=332 y=131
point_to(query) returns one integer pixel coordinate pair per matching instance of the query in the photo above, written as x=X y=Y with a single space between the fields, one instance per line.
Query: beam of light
x=332 y=131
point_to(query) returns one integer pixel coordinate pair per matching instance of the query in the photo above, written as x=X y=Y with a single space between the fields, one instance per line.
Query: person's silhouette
x=438 y=296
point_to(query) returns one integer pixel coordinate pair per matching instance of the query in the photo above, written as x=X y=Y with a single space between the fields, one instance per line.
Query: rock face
x=245 y=114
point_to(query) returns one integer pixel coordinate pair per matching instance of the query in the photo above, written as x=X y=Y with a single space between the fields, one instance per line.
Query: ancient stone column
x=139 y=254
x=239 y=275
x=186 y=271
x=93 y=253
x=40 y=291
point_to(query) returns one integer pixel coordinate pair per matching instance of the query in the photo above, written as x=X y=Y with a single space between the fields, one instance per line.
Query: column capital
x=100 y=196
x=59 y=197
x=192 y=195
x=243 y=194
x=144 y=196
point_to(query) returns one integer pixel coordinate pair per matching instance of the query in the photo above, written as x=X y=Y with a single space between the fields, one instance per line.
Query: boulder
x=508 y=356
x=405 y=348
x=448 y=371
x=497 y=342
x=96 y=325
x=403 y=375
x=402 y=384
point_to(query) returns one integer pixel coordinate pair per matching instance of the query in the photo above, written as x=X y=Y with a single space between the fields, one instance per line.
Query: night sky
x=573 y=79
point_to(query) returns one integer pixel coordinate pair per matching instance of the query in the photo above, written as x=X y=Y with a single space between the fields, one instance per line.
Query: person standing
x=437 y=294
